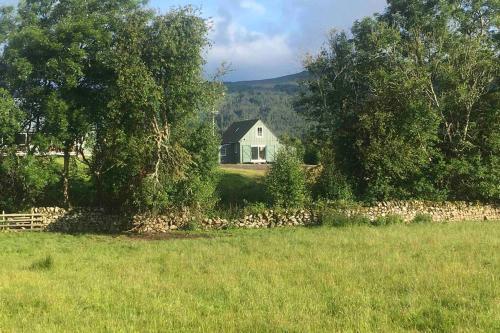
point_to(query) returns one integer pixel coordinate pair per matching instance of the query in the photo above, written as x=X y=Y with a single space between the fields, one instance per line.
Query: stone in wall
x=162 y=223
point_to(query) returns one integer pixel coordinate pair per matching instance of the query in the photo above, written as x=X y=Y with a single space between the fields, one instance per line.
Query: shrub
x=254 y=208
x=388 y=220
x=198 y=189
x=422 y=218
x=332 y=184
x=334 y=218
x=285 y=182
x=24 y=181
x=192 y=225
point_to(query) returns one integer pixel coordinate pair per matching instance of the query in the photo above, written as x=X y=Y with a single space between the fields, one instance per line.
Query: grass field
x=441 y=278
x=238 y=186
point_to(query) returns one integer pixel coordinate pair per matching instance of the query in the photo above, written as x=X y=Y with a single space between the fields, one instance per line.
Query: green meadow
x=428 y=277
x=238 y=187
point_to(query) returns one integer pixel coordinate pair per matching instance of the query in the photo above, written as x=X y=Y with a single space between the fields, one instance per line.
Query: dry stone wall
x=98 y=221
x=81 y=220
x=439 y=211
x=266 y=219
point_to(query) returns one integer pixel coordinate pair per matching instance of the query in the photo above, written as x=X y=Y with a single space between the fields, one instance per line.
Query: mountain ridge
x=291 y=78
x=271 y=100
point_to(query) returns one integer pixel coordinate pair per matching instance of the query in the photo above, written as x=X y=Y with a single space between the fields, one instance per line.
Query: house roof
x=237 y=130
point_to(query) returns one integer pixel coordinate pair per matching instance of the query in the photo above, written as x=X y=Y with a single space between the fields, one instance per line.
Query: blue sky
x=269 y=38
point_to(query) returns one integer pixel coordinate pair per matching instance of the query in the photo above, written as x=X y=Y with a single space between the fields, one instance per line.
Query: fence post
x=32 y=219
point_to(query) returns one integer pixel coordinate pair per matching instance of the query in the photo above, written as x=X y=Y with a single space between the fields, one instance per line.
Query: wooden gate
x=29 y=221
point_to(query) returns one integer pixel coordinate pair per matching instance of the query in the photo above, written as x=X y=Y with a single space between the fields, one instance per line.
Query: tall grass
x=422 y=277
x=42 y=264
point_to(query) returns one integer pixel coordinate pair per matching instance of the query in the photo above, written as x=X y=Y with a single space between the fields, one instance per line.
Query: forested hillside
x=270 y=100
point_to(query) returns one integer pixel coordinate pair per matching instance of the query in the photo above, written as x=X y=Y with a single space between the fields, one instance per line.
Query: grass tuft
x=422 y=218
x=44 y=264
x=333 y=218
x=388 y=220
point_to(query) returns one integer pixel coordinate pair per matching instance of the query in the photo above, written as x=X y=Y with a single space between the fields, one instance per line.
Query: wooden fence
x=21 y=222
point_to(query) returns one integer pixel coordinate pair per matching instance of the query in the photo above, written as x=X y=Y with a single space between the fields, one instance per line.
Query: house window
x=259 y=153
x=259 y=132
x=236 y=149
x=223 y=150
x=21 y=139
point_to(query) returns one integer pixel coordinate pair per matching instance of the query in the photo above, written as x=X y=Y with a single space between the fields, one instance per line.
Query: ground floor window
x=223 y=150
x=258 y=153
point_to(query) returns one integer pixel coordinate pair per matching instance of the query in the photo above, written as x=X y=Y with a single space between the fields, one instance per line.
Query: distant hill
x=270 y=100
x=288 y=80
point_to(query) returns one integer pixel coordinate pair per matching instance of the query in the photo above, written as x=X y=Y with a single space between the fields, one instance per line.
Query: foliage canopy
x=117 y=84
x=409 y=104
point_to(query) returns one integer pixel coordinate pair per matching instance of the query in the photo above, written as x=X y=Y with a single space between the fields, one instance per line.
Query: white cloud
x=254 y=6
x=264 y=41
x=251 y=54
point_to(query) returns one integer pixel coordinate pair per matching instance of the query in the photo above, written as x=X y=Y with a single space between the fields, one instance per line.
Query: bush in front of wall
x=332 y=184
x=335 y=218
x=286 y=182
x=191 y=225
x=25 y=180
x=422 y=218
x=254 y=208
x=390 y=219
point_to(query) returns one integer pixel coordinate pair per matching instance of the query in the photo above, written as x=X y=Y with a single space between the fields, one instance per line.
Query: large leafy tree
x=124 y=81
x=408 y=105
x=145 y=148
x=51 y=60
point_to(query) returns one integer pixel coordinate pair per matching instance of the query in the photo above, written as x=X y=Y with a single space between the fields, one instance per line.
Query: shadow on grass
x=237 y=189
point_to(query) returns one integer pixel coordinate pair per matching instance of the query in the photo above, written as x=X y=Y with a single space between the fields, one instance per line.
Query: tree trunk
x=66 y=175
x=98 y=185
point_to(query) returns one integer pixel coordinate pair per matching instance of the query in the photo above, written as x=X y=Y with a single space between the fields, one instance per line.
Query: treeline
x=116 y=84
x=407 y=104
x=270 y=100
x=273 y=107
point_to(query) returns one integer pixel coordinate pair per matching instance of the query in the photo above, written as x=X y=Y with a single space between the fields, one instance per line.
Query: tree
x=122 y=80
x=144 y=148
x=53 y=50
x=403 y=103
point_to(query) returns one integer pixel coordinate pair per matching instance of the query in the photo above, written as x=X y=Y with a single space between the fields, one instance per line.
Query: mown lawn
x=361 y=279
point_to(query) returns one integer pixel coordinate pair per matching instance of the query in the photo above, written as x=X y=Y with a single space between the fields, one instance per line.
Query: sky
x=269 y=38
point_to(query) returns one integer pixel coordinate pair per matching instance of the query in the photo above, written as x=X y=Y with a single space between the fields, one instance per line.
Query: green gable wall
x=268 y=139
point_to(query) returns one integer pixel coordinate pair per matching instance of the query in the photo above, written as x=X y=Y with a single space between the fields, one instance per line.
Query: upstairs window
x=259 y=132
